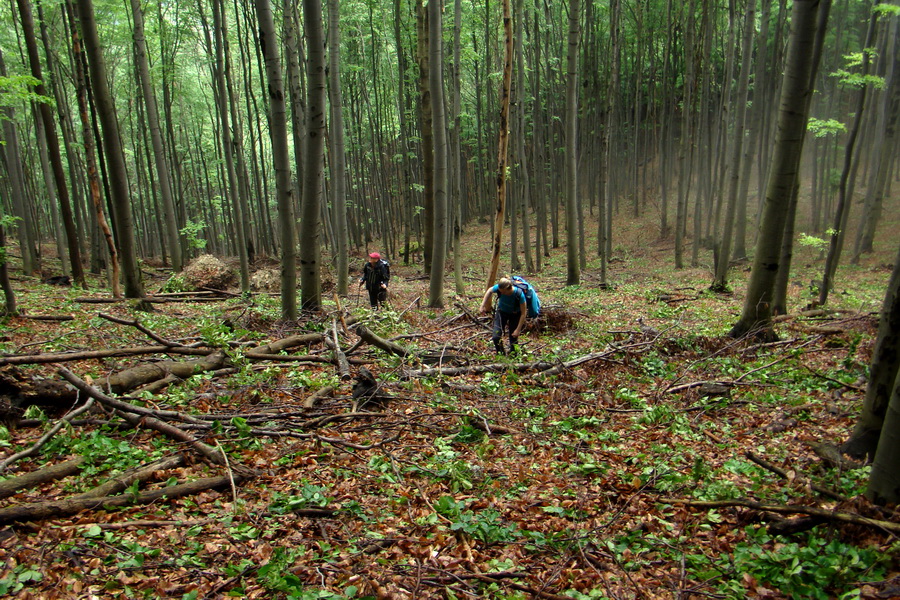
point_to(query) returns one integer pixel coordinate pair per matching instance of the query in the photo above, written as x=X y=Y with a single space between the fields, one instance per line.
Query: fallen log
x=829 y=515
x=379 y=342
x=476 y=369
x=143 y=374
x=46 y=474
x=37 y=511
x=141 y=473
x=52 y=357
x=286 y=343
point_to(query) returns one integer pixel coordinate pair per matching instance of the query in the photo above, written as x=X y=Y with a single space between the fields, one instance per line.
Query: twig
x=830 y=515
x=137 y=325
x=781 y=473
x=47 y=436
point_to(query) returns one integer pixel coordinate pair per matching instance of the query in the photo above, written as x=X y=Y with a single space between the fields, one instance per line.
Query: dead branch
x=116 y=404
x=339 y=357
x=781 y=473
x=345 y=443
x=319 y=395
x=475 y=369
x=131 y=413
x=491 y=429
x=46 y=474
x=129 y=379
x=47 y=436
x=36 y=511
x=380 y=342
x=47 y=317
x=286 y=343
x=812 y=511
x=140 y=473
x=52 y=357
x=472 y=316
x=137 y=325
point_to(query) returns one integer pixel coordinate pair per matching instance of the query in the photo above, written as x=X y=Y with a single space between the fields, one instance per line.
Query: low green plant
x=21 y=576
x=807 y=566
x=309 y=496
x=485 y=526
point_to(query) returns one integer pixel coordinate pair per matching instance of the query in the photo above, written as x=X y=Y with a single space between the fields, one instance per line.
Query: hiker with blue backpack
x=516 y=300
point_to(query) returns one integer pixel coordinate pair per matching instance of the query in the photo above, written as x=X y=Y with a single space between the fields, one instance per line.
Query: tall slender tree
x=797 y=86
x=46 y=114
x=314 y=152
x=436 y=85
x=573 y=270
x=281 y=157
x=115 y=156
x=503 y=142
x=339 y=159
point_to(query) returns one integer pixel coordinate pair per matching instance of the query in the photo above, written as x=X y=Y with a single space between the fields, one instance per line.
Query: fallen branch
x=46 y=474
x=47 y=436
x=380 y=342
x=36 y=511
x=137 y=325
x=781 y=473
x=812 y=511
x=52 y=357
x=143 y=374
x=286 y=343
x=141 y=473
x=47 y=317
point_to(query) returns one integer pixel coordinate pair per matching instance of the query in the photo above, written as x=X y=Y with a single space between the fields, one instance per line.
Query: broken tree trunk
x=35 y=511
x=33 y=359
x=380 y=342
x=44 y=475
x=129 y=379
x=141 y=473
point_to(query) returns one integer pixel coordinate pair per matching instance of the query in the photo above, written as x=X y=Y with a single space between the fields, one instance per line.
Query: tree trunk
x=339 y=162
x=884 y=480
x=112 y=142
x=573 y=216
x=280 y=157
x=436 y=86
x=882 y=374
x=310 y=277
x=886 y=130
x=427 y=129
x=723 y=255
x=842 y=213
x=799 y=68
x=81 y=93
x=503 y=144
x=163 y=175
x=25 y=228
x=46 y=113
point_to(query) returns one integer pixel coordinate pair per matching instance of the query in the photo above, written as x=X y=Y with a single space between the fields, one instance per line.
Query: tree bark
x=310 y=276
x=46 y=114
x=281 y=157
x=573 y=216
x=883 y=370
x=163 y=174
x=503 y=143
x=339 y=161
x=439 y=121
x=112 y=142
x=801 y=62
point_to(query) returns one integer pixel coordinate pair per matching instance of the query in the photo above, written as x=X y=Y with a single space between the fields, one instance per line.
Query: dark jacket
x=373 y=277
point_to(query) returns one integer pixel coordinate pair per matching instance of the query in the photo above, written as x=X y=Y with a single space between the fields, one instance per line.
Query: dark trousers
x=505 y=320
x=377 y=295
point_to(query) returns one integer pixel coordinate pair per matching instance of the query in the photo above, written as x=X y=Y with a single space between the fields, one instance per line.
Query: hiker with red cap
x=376 y=274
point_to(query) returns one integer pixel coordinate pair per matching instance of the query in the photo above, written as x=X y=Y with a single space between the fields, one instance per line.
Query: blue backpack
x=531 y=298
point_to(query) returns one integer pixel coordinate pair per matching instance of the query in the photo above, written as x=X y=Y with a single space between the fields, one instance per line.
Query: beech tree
x=756 y=316
x=281 y=158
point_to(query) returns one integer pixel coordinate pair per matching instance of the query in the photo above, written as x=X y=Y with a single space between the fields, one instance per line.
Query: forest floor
x=498 y=481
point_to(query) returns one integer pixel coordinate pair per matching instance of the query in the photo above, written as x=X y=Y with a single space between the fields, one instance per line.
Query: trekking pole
x=358 y=294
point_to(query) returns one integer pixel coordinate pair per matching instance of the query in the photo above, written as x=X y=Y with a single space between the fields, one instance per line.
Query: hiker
x=511 y=312
x=375 y=275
